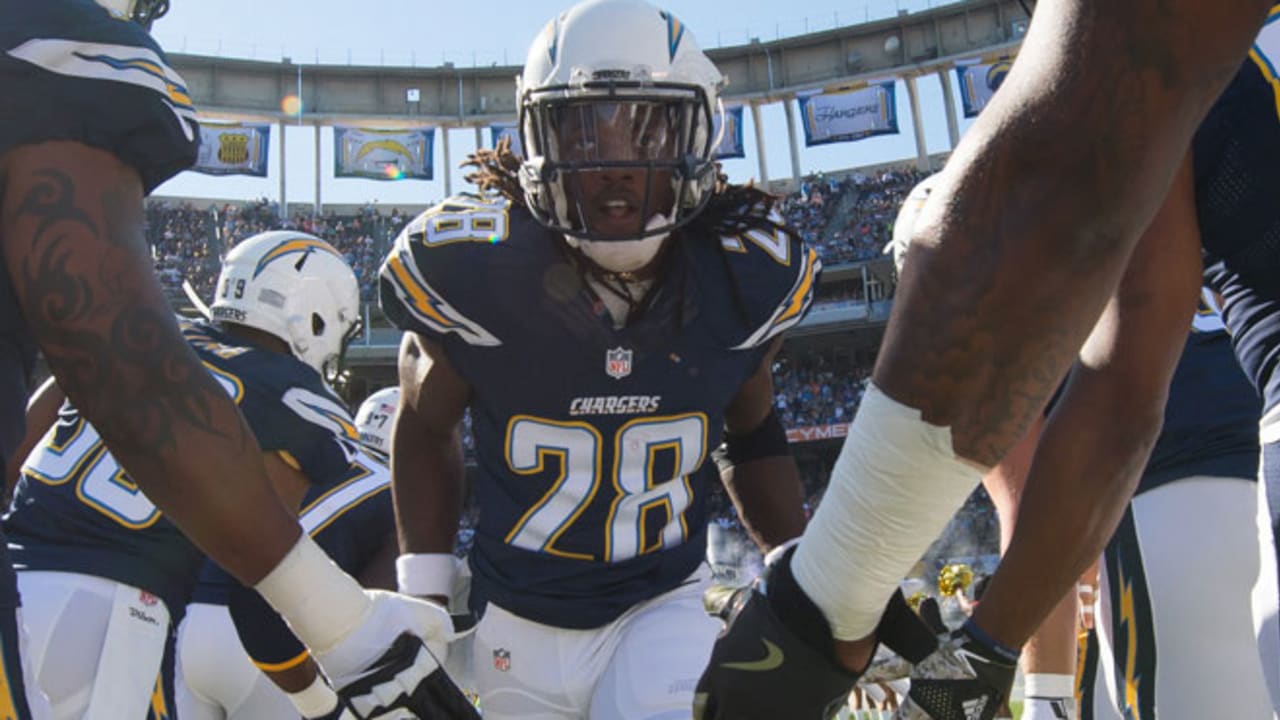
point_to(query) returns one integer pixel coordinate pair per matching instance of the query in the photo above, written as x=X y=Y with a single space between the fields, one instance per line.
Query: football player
x=103 y=571
x=92 y=118
x=1026 y=256
x=609 y=311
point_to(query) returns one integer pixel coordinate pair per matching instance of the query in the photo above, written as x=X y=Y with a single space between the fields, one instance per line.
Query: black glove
x=760 y=668
x=776 y=656
x=378 y=690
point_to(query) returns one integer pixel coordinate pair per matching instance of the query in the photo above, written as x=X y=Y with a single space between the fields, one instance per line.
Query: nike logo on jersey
x=771 y=661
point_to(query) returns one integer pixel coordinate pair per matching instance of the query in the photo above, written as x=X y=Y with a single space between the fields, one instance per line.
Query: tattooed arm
x=71 y=229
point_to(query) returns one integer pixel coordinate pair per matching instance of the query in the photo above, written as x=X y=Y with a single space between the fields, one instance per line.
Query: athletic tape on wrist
x=426 y=574
x=316 y=700
x=1049 y=685
x=321 y=603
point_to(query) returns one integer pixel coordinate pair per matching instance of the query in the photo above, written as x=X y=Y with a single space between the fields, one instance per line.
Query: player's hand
x=393 y=660
x=761 y=669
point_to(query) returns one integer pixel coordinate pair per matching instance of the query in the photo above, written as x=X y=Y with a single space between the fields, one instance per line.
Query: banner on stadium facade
x=815 y=433
x=233 y=149
x=731 y=140
x=979 y=81
x=497 y=131
x=383 y=154
x=849 y=114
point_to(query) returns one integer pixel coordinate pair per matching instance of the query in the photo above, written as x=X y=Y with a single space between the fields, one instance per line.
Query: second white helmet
x=374 y=420
x=296 y=287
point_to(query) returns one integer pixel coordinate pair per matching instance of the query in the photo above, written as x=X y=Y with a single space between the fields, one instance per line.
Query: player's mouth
x=616 y=213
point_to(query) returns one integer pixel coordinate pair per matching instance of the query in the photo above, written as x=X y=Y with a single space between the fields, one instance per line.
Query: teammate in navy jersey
x=236 y=656
x=103 y=571
x=1235 y=156
x=92 y=118
x=607 y=316
x=1176 y=577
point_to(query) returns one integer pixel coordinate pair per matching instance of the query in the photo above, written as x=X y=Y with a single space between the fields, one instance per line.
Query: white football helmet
x=296 y=287
x=621 y=63
x=143 y=12
x=375 y=418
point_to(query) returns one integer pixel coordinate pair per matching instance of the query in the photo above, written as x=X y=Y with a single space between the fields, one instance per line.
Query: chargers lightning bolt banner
x=979 y=81
x=849 y=114
x=497 y=131
x=383 y=154
x=731 y=141
x=233 y=149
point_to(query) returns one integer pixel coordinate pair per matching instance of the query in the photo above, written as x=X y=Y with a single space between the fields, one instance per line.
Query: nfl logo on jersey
x=617 y=363
x=501 y=660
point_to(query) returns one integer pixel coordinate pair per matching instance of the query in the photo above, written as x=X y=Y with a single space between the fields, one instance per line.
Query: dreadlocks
x=496 y=171
x=732 y=209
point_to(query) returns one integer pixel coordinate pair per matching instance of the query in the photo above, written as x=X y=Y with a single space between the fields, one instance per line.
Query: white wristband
x=321 y=603
x=318 y=699
x=426 y=574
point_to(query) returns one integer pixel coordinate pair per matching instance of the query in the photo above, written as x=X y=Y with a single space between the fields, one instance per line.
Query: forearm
x=428 y=485
x=769 y=498
x=1052 y=648
x=1085 y=469
x=213 y=485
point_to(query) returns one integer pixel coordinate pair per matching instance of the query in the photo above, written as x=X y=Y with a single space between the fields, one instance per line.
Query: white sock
x=1039 y=708
x=894 y=487
x=1049 y=696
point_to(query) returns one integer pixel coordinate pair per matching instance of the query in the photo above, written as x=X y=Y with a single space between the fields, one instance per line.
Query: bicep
x=755 y=399
x=433 y=394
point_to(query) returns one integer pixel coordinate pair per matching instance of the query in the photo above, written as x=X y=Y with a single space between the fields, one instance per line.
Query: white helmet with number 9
x=374 y=420
x=296 y=287
x=615 y=87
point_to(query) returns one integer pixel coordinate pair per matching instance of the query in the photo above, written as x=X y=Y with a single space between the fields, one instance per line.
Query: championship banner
x=233 y=149
x=979 y=81
x=731 y=141
x=383 y=154
x=497 y=131
x=846 y=115
x=815 y=433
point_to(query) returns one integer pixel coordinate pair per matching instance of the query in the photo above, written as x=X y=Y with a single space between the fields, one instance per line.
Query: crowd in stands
x=817 y=390
x=849 y=218
x=846 y=218
x=188 y=243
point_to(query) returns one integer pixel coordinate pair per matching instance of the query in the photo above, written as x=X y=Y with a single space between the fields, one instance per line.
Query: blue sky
x=429 y=33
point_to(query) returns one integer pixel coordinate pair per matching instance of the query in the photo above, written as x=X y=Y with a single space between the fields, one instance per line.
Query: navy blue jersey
x=1211 y=417
x=1237 y=170
x=352 y=521
x=75 y=510
x=69 y=71
x=592 y=441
